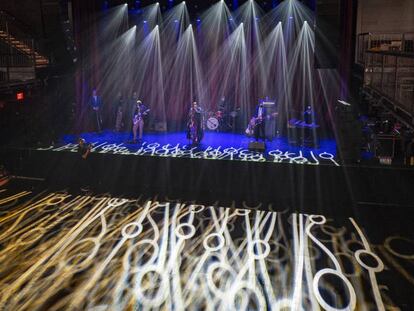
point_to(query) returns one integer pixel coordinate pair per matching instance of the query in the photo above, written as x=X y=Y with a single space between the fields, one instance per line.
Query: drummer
x=223 y=114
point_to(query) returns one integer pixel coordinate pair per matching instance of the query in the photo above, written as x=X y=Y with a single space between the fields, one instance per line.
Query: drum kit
x=220 y=120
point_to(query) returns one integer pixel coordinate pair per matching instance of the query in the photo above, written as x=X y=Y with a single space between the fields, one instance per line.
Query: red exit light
x=20 y=96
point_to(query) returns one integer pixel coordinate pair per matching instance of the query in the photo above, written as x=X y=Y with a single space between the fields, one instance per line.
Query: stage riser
x=304 y=188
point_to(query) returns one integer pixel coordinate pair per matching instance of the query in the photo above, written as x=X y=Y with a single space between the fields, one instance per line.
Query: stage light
x=344 y=103
x=145 y=22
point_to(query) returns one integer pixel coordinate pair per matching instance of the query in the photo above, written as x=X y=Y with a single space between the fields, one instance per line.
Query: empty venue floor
x=62 y=251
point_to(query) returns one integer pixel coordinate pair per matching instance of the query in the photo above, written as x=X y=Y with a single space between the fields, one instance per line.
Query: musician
x=95 y=105
x=195 y=130
x=224 y=114
x=130 y=108
x=141 y=111
x=309 y=115
x=223 y=105
x=260 y=122
x=119 y=112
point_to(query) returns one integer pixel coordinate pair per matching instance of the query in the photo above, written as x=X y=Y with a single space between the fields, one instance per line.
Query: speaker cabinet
x=257 y=146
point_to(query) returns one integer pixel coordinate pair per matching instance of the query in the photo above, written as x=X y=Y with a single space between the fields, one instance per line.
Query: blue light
x=145 y=22
x=176 y=21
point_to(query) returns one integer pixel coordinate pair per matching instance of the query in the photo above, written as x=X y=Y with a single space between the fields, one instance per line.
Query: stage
x=215 y=146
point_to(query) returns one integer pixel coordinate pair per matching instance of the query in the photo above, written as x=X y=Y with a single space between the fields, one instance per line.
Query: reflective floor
x=66 y=252
x=215 y=146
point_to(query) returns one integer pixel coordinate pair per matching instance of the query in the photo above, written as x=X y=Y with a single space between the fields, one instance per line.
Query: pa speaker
x=257 y=146
x=327 y=33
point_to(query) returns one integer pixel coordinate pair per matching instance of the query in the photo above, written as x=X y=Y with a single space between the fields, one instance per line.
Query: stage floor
x=215 y=146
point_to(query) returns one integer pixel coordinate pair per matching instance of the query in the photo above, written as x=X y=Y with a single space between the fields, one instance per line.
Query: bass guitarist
x=138 y=122
x=257 y=124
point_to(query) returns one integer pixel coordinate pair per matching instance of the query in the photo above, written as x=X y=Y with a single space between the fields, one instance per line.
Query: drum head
x=212 y=124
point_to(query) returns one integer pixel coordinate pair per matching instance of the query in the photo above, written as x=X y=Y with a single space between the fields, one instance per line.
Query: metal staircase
x=20 y=55
x=40 y=61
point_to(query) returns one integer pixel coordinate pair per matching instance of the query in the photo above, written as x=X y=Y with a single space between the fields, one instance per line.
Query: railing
x=16 y=27
x=388 y=61
x=393 y=76
x=17 y=51
x=384 y=42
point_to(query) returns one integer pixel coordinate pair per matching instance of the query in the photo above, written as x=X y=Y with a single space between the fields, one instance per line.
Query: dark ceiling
x=196 y=7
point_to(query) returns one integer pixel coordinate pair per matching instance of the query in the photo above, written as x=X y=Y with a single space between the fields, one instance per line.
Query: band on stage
x=132 y=114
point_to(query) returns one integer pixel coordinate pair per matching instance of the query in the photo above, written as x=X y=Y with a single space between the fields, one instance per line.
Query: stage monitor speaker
x=327 y=33
x=257 y=146
x=349 y=140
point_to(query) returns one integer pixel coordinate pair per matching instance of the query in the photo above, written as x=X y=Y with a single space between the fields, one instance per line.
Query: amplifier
x=257 y=146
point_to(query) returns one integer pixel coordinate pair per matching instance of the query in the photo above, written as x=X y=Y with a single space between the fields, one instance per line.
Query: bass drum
x=212 y=123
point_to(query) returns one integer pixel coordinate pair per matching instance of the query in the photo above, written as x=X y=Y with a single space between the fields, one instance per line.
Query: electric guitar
x=139 y=116
x=257 y=121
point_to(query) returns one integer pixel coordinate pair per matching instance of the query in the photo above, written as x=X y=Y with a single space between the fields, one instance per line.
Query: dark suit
x=197 y=117
x=259 y=130
x=95 y=106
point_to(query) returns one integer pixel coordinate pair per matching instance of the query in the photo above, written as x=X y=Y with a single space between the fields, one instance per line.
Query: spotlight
x=145 y=22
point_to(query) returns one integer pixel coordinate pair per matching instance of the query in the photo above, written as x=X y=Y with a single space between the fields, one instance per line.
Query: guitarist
x=260 y=122
x=138 y=122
